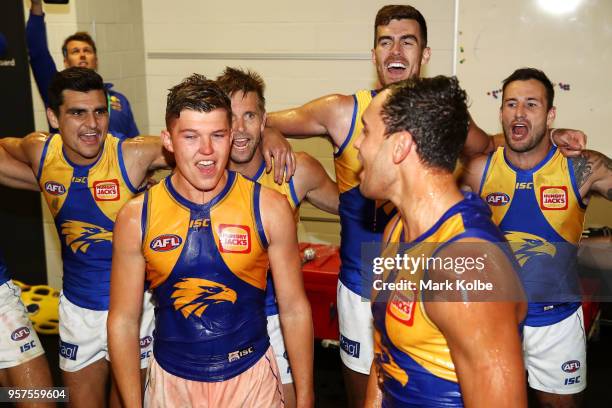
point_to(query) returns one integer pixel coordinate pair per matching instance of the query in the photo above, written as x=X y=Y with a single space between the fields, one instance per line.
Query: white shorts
x=356 y=330
x=83 y=337
x=18 y=340
x=555 y=356
x=278 y=346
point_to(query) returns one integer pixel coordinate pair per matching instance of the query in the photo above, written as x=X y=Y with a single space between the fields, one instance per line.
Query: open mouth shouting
x=90 y=137
x=206 y=167
x=397 y=69
x=240 y=143
x=519 y=130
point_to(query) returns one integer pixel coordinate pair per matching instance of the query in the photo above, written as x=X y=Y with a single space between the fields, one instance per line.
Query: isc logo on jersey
x=166 y=242
x=553 y=197
x=106 y=190
x=54 y=188
x=498 y=199
x=234 y=238
x=401 y=307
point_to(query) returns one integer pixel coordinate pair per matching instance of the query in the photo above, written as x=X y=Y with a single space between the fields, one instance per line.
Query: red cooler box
x=320 y=281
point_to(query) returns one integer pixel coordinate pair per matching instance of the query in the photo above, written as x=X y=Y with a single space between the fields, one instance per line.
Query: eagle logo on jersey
x=194 y=295
x=80 y=235
x=526 y=246
x=386 y=361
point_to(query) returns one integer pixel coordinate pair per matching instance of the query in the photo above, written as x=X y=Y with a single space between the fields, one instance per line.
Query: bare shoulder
x=271 y=202
x=35 y=141
x=132 y=210
x=142 y=144
x=306 y=164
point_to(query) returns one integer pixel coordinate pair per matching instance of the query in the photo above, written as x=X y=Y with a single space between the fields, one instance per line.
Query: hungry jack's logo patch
x=106 y=190
x=553 y=197
x=234 y=238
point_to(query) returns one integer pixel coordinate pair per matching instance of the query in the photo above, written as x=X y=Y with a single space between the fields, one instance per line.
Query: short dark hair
x=79 y=36
x=233 y=80
x=434 y=111
x=400 y=12
x=198 y=94
x=74 y=79
x=525 y=74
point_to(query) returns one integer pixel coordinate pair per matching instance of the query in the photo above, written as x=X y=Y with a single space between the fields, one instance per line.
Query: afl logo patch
x=571 y=366
x=498 y=199
x=146 y=341
x=54 y=188
x=106 y=190
x=166 y=242
x=20 y=334
x=553 y=197
x=401 y=307
x=234 y=238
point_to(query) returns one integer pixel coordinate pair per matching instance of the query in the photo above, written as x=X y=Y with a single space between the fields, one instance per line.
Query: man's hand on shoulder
x=570 y=142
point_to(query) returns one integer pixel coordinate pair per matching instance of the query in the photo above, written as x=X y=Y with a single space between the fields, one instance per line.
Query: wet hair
x=198 y=94
x=74 y=79
x=79 y=36
x=434 y=111
x=525 y=74
x=233 y=80
x=400 y=12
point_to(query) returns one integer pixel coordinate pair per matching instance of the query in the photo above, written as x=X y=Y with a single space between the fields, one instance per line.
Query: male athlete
x=23 y=364
x=79 y=50
x=456 y=347
x=86 y=176
x=400 y=49
x=310 y=181
x=203 y=240
x=538 y=199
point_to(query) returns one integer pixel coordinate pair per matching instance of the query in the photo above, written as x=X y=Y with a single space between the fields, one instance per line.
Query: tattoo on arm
x=583 y=168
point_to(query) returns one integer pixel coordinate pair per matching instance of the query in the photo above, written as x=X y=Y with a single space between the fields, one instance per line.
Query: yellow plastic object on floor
x=42 y=303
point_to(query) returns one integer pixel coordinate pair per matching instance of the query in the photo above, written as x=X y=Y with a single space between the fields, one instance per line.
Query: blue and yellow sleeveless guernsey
x=84 y=201
x=362 y=220
x=288 y=190
x=207 y=266
x=541 y=213
x=411 y=353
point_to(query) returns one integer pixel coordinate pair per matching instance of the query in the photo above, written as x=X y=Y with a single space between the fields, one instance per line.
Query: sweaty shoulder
x=131 y=212
x=305 y=165
x=141 y=145
x=276 y=214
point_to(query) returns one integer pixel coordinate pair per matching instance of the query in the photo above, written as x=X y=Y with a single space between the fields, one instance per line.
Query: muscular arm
x=294 y=309
x=327 y=115
x=16 y=174
x=143 y=154
x=478 y=142
x=482 y=330
x=593 y=174
x=472 y=173
x=312 y=183
x=22 y=153
x=127 y=288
